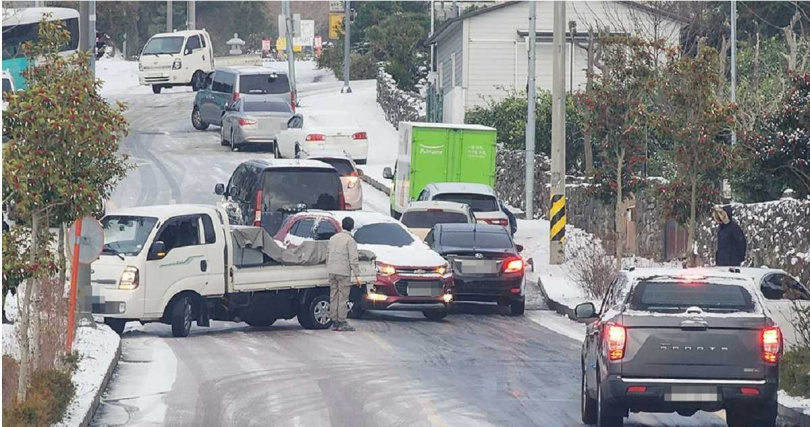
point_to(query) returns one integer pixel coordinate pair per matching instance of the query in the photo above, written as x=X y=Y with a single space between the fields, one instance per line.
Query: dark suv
x=486 y=263
x=680 y=341
x=265 y=192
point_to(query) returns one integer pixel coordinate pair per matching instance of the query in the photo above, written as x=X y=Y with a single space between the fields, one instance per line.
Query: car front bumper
x=390 y=293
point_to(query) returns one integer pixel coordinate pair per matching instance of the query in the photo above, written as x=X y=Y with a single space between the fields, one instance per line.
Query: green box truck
x=440 y=152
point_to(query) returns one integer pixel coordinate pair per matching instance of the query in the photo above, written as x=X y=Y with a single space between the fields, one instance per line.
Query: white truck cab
x=177 y=264
x=181 y=58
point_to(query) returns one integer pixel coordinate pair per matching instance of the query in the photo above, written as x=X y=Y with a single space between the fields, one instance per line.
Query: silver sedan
x=256 y=121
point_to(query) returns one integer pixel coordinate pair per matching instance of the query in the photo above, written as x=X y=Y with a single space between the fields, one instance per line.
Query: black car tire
x=196 y=81
x=156 y=89
x=196 y=119
x=435 y=315
x=604 y=413
x=756 y=416
x=234 y=147
x=222 y=141
x=117 y=325
x=587 y=404
x=313 y=311
x=182 y=317
x=517 y=307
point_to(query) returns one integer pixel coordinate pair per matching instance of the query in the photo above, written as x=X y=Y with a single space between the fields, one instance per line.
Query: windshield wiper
x=108 y=250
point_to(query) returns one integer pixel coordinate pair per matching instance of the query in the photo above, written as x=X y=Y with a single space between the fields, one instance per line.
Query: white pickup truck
x=177 y=264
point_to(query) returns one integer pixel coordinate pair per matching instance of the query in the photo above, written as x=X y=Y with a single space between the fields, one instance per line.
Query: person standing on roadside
x=731 y=243
x=341 y=264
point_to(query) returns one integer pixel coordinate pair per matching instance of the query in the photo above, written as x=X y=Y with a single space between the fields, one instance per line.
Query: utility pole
x=169 y=16
x=91 y=35
x=557 y=210
x=733 y=62
x=191 y=18
x=288 y=36
x=530 y=127
x=347 y=26
x=432 y=19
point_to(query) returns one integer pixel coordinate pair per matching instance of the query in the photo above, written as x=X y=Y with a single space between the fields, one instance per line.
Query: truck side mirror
x=585 y=311
x=157 y=250
x=219 y=189
x=295 y=122
x=519 y=248
x=387 y=174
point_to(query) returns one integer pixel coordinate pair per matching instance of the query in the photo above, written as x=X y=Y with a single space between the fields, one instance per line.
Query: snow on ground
x=97 y=347
x=119 y=77
x=11 y=340
x=798 y=403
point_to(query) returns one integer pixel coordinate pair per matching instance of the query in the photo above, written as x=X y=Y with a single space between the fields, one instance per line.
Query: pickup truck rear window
x=426 y=219
x=676 y=297
x=478 y=202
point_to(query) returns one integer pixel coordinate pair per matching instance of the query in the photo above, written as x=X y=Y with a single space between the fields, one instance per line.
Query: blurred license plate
x=422 y=290
x=686 y=393
x=479 y=267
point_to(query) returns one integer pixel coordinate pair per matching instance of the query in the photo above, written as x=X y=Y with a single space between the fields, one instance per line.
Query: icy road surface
x=478 y=367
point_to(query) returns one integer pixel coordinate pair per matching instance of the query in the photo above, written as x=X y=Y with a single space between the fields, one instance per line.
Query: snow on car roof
x=250 y=69
x=363 y=218
x=183 y=33
x=315 y=155
x=163 y=212
x=462 y=187
x=753 y=272
x=478 y=228
x=293 y=163
x=715 y=275
x=436 y=204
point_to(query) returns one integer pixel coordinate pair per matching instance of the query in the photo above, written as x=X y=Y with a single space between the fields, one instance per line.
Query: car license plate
x=422 y=290
x=687 y=393
x=479 y=267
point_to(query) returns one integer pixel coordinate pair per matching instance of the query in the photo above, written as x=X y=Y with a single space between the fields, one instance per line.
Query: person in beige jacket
x=341 y=264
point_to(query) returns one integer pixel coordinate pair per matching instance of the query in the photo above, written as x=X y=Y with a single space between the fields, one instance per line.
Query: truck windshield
x=126 y=235
x=387 y=234
x=427 y=219
x=678 y=296
x=478 y=202
x=264 y=83
x=163 y=45
x=314 y=188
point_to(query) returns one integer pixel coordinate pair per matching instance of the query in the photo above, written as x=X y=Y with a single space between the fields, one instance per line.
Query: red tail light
x=749 y=391
x=616 y=337
x=244 y=122
x=292 y=101
x=316 y=137
x=235 y=96
x=257 y=209
x=360 y=135
x=636 y=389
x=771 y=339
x=513 y=265
x=502 y=222
x=353 y=179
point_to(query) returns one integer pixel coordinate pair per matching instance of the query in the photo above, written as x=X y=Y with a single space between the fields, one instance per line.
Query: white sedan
x=325 y=131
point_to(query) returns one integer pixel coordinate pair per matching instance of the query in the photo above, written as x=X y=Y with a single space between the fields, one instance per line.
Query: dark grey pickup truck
x=680 y=341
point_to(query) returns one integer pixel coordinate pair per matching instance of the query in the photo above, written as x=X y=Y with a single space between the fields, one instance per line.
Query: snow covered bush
x=592 y=268
x=48 y=397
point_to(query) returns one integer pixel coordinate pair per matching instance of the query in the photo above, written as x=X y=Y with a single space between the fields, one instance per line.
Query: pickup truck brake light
x=359 y=135
x=616 y=337
x=316 y=137
x=499 y=221
x=514 y=265
x=771 y=339
x=257 y=209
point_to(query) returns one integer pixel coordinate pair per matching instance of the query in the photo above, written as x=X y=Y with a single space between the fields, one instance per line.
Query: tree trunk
x=588 y=133
x=61 y=261
x=692 y=213
x=25 y=313
x=619 y=216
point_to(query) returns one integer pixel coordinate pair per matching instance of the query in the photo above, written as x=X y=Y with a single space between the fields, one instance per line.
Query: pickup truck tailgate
x=278 y=277
x=705 y=347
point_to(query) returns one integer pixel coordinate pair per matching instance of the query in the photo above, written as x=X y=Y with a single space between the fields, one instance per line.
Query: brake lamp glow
x=385 y=269
x=691 y=277
x=636 y=389
x=514 y=266
x=292 y=101
x=235 y=96
x=616 y=336
x=352 y=180
x=130 y=279
x=178 y=64
x=359 y=135
x=499 y=221
x=373 y=296
x=316 y=137
x=246 y=122
x=771 y=344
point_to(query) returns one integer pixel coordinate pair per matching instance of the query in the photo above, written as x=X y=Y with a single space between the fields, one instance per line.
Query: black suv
x=680 y=341
x=265 y=192
x=486 y=263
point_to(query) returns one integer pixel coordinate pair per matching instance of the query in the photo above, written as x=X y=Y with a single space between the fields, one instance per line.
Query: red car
x=410 y=276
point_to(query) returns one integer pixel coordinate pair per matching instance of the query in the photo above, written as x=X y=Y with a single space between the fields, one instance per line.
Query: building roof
x=439 y=32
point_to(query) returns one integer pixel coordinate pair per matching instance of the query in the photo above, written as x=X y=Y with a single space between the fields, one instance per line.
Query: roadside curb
x=376 y=184
x=795 y=417
x=102 y=388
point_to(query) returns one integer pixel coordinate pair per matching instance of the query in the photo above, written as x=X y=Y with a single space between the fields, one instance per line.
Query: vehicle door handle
x=203 y=265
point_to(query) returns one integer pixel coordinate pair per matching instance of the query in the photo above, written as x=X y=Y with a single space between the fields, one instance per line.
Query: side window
x=304 y=228
x=217 y=85
x=772 y=288
x=782 y=286
x=180 y=232
x=227 y=82
x=608 y=297
x=234 y=185
x=202 y=40
x=208 y=230
x=193 y=43
x=325 y=227
x=429 y=239
x=422 y=195
x=209 y=80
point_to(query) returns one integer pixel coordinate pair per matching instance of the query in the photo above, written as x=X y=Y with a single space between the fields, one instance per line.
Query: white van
x=181 y=58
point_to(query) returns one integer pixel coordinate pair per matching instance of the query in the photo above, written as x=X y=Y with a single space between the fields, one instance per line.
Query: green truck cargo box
x=441 y=152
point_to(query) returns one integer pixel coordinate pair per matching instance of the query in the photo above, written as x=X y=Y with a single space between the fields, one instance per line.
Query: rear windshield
x=678 y=296
x=268 y=106
x=163 y=45
x=468 y=239
x=289 y=188
x=388 y=234
x=478 y=202
x=344 y=167
x=264 y=83
x=423 y=219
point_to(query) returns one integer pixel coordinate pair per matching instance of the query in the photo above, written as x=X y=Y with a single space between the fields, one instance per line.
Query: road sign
x=265 y=44
x=91 y=240
x=335 y=25
x=282 y=26
x=307 y=32
x=318 y=42
x=337 y=6
x=296 y=23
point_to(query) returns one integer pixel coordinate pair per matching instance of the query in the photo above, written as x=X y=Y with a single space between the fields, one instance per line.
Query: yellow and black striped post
x=557 y=228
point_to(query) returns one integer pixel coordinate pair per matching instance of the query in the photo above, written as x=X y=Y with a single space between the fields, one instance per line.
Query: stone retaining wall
x=398 y=105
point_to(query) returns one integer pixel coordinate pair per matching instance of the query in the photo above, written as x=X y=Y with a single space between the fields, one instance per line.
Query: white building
x=483 y=54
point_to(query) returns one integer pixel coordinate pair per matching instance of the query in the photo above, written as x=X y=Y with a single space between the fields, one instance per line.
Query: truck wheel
x=604 y=416
x=517 y=308
x=587 y=405
x=156 y=88
x=196 y=81
x=182 y=316
x=117 y=325
x=435 y=315
x=196 y=119
x=315 y=313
